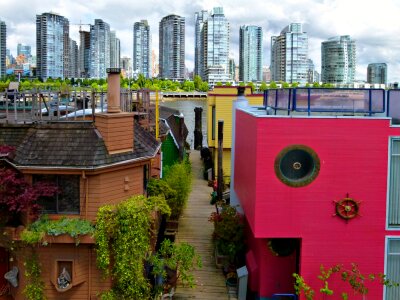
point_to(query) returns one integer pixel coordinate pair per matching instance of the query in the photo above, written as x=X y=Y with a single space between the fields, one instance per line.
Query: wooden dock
x=195 y=229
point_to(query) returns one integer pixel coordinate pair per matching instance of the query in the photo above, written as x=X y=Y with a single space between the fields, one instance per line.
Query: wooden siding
x=223 y=106
x=170 y=152
x=226 y=163
x=113 y=187
x=117 y=131
x=87 y=280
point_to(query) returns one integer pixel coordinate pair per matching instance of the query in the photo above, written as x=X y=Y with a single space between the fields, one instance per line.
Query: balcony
x=332 y=102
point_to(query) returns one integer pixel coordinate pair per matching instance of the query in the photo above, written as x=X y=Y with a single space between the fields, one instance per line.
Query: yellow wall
x=221 y=98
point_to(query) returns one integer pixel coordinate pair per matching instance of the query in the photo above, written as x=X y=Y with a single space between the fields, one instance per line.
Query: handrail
x=334 y=100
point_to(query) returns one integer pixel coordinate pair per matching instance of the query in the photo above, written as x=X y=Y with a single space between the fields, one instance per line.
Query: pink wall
x=353 y=155
x=245 y=161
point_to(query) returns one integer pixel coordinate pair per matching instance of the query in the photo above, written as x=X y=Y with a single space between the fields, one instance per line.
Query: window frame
x=385 y=268
x=388 y=226
x=57 y=178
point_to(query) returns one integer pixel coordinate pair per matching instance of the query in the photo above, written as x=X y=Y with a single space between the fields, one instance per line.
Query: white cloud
x=374 y=26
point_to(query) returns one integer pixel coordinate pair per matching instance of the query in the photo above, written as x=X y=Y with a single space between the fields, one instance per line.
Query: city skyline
x=372 y=27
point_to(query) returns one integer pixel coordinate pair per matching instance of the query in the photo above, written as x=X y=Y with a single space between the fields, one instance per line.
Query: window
x=67 y=200
x=297 y=165
x=393 y=188
x=393 y=268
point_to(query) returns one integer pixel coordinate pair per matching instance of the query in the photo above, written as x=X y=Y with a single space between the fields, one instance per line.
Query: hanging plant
x=123 y=237
x=282 y=247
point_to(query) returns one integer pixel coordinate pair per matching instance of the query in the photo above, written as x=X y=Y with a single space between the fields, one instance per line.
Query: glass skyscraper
x=52 y=46
x=338 y=60
x=25 y=50
x=250 y=53
x=99 y=55
x=141 y=48
x=172 y=47
x=289 y=55
x=84 y=52
x=200 y=18
x=215 y=36
x=115 y=50
x=3 y=48
x=377 y=73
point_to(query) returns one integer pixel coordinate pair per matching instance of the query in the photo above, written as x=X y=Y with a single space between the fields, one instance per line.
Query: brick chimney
x=115 y=127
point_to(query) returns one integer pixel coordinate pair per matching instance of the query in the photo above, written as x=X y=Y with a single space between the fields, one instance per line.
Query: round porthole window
x=297 y=165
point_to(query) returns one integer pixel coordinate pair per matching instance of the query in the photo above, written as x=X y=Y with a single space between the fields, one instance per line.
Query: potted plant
x=228 y=235
x=173 y=262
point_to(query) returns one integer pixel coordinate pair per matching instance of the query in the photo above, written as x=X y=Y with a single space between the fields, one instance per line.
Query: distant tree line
x=155 y=84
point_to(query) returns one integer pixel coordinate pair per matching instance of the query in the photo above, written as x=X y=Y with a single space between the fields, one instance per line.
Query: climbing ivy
x=34 y=289
x=123 y=238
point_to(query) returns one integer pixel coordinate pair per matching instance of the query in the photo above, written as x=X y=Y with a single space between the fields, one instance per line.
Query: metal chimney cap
x=113 y=70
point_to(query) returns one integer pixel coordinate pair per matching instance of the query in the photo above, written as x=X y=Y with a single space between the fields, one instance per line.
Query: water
x=186 y=107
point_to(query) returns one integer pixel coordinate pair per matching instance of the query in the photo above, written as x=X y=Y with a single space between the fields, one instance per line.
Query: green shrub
x=179 y=178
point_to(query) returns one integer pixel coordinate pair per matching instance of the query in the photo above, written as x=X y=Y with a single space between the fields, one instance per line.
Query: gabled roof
x=169 y=115
x=76 y=145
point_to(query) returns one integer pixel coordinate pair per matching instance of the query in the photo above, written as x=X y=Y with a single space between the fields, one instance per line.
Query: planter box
x=67 y=239
x=220 y=260
x=171 y=225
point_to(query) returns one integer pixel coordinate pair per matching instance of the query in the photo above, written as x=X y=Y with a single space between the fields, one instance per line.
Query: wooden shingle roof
x=70 y=145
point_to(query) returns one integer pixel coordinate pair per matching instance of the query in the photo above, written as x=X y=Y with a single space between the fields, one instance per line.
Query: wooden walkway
x=195 y=229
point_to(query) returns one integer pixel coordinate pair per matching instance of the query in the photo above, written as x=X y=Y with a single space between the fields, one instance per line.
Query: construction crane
x=80 y=25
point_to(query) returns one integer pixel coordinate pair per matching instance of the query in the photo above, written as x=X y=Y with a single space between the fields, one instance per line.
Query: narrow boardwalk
x=195 y=229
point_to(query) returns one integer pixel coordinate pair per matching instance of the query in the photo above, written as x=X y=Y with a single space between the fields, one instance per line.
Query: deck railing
x=366 y=102
x=36 y=106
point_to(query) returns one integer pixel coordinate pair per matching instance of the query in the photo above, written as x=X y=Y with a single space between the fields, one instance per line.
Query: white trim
x=391 y=138
x=387 y=238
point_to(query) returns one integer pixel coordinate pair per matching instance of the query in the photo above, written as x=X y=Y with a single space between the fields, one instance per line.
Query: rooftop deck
x=49 y=106
x=332 y=102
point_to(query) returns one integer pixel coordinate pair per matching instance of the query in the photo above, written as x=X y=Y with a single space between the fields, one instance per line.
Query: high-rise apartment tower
x=99 y=57
x=141 y=48
x=52 y=46
x=289 y=55
x=338 y=60
x=3 y=48
x=377 y=73
x=250 y=53
x=172 y=47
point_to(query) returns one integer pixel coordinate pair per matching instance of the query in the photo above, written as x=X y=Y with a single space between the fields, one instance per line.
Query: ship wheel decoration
x=347 y=208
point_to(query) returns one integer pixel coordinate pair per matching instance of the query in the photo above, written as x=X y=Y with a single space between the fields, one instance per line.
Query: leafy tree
x=263 y=86
x=141 y=80
x=188 y=86
x=316 y=84
x=16 y=195
x=197 y=82
x=204 y=87
x=219 y=83
x=251 y=84
x=327 y=85
x=295 y=84
x=273 y=85
x=285 y=85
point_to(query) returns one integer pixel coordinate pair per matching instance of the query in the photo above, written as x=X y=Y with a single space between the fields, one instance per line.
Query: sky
x=374 y=25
